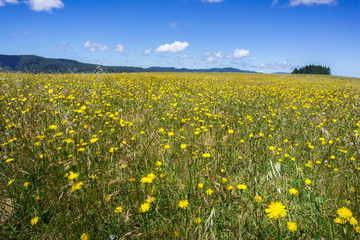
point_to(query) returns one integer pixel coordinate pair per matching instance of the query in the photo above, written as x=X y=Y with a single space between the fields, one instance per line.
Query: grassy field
x=186 y=156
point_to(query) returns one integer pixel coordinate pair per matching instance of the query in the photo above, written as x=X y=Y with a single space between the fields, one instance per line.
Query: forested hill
x=36 y=64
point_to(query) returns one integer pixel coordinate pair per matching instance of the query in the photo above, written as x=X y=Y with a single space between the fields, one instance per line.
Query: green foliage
x=312 y=69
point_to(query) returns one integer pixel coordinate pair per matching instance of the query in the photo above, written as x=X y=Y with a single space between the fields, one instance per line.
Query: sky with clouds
x=264 y=36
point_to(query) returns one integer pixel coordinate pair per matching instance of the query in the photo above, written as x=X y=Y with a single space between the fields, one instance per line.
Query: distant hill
x=36 y=64
x=280 y=73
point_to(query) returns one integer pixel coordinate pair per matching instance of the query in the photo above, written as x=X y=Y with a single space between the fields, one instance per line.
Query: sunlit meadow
x=179 y=156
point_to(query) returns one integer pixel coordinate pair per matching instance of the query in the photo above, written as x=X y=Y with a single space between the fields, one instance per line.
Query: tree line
x=312 y=69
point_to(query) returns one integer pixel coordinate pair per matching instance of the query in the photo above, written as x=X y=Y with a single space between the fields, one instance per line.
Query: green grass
x=311 y=122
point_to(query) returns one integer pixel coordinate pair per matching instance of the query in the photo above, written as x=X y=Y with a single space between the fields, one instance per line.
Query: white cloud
x=119 y=48
x=212 y=57
x=147 y=51
x=218 y=54
x=274 y=2
x=275 y=65
x=4 y=2
x=240 y=53
x=64 y=44
x=211 y=60
x=44 y=5
x=92 y=47
x=173 y=47
x=213 y=1
x=312 y=2
x=173 y=24
x=182 y=56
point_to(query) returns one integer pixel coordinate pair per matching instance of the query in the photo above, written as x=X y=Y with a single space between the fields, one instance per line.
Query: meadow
x=179 y=156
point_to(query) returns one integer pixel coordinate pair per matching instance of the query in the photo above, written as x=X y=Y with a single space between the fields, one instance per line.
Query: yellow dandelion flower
x=151 y=175
x=73 y=175
x=209 y=191
x=258 y=199
x=200 y=185
x=292 y=226
x=144 y=207
x=183 y=146
x=353 y=221
x=308 y=181
x=344 y=213
x=230 y=188
x=93 y=140
x=293 y=191
x=34 y=221
x=197 y=220
x=223 y=180
x=272 y=148
x=309 y=164
x=26 y=184
x=206 y=155
x=230 y=131
x=76 y=186
x=81 y=149
x=85 y=236
x=118 y=209
x=241 y=187
x=158 y=163
x=146 y=180
x=52 y=127
x=339 y=220
x=10 y=182
x=183 y=204
x=276 y=210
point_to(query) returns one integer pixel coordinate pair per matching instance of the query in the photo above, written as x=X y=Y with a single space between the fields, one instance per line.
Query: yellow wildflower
x=276 y=210
x=144 y=207
x=241 y=187
x=85 y=236
x=292 y=226
x=209 y=191
x=344 y=213
x=293 y=191
x=183 y=204
x=10 y=182
x=34 y=221
x=76 y=186
x=118 y=209
x=197 y=220
x=308 y=181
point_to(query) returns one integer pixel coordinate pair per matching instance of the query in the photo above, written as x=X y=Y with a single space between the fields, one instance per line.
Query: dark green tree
x=312 y=69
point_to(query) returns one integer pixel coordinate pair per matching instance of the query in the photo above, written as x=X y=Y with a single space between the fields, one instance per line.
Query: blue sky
x=265 y=36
